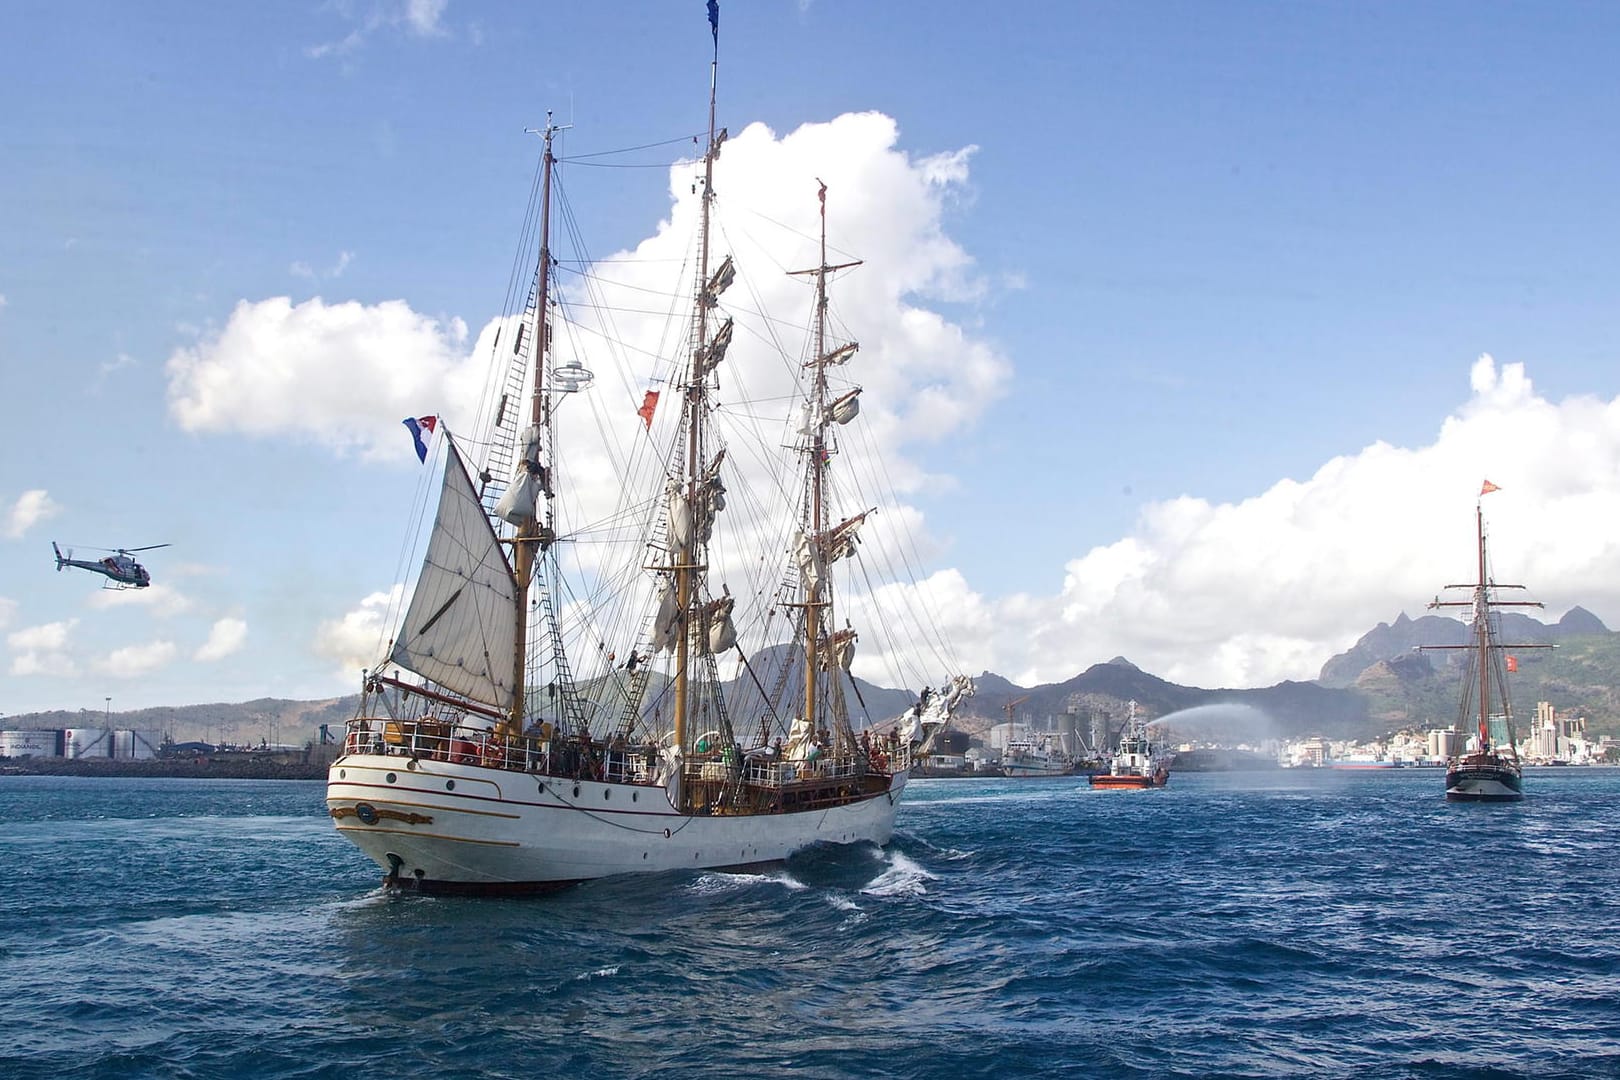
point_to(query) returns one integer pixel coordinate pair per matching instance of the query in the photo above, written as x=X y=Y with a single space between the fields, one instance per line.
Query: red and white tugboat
x=1136 y=764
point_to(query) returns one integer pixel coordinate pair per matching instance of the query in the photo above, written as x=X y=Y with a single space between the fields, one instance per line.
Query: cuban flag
x=419 y=425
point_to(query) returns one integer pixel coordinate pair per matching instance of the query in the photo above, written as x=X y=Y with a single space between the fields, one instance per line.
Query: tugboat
x=1488 y=768
x=1135 y=764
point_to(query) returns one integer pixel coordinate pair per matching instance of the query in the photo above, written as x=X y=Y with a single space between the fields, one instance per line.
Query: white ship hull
x=1028 y=769
x=447 y=827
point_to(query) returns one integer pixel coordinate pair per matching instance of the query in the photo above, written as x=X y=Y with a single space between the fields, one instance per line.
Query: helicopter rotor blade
x=148 y=547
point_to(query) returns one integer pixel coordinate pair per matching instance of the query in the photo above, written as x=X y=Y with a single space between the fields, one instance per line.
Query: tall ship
x=1488 y=767
x=1137 y=763
x=574 y=692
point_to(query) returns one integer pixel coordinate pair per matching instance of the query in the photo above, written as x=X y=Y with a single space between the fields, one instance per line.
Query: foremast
x=532 y=537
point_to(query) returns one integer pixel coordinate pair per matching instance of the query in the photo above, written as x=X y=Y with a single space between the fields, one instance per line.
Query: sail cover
x=461 y=629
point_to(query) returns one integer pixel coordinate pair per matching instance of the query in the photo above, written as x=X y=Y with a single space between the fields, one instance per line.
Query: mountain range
x=1380 y=684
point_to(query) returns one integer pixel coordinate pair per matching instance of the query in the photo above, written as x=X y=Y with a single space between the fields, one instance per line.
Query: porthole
x=635 y=796
x=449 y=785
x=607 y=793
x=391 y=778
x=576 y=791
x=343 y=774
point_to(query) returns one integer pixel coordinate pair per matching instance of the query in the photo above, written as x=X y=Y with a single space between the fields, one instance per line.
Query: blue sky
x=1228 y=271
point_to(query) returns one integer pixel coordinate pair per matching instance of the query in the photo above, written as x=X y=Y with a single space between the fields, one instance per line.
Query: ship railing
x=453 y=740
x=769 y=772
x=471 y=744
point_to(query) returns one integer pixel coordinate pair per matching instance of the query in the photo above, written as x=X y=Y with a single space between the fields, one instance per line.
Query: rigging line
x=906 y=539
x=614 y=262
x=618 y=284
x=638 y=165
x=814 y=239
x=633 y=149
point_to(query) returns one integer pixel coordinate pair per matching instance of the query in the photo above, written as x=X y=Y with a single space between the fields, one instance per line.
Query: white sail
x=846 y=408
x=808 y=555
x=459 y=630
x=522 y=496
x=667 y=623
x=722 y=632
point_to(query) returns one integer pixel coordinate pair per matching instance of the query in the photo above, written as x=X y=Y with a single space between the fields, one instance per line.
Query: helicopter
x=120 y=568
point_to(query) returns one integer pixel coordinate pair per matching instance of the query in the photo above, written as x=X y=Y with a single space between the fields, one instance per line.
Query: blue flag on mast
x=714 y=20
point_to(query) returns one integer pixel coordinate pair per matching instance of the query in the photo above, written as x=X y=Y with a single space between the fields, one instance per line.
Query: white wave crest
x=903 y=878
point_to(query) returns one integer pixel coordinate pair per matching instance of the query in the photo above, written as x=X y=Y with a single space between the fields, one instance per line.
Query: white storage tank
x=21 y=744
x=131 y=745
x=82 y=742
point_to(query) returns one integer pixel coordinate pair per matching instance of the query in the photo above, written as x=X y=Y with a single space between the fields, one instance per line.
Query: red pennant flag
x=1512 y=664
x=1488 y=487
x=648 y=404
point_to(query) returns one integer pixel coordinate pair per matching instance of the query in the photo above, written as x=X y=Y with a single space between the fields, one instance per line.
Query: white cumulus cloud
x=357 y=639
x=226 y=637
x=1254 y=592
x=31 y=508
x=132 y=661
x=340 y=375
x=42 y=650
x=163 y=601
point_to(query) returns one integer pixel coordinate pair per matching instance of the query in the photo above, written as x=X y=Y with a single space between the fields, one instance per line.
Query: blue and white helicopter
x=120 y=568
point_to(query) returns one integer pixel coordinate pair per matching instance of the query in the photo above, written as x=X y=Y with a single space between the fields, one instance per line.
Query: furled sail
x=719 y=282
x=460 y=631
x=710 y=355
x=808 y=556
x=847 y=407
x=522 y=496
x=840 y=649
x=837 y=356
x=721 y=632
x=839 y=541
x=667 y=623
x=680 y=516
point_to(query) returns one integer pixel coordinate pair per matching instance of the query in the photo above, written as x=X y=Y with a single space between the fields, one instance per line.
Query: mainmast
x=1484 y=645
x=816 y=476
x=687 y=566
x=531 y=538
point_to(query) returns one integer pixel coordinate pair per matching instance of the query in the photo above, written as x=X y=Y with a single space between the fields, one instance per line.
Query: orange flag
x=648 y=404
x=1488 y=487
x=1513 y=663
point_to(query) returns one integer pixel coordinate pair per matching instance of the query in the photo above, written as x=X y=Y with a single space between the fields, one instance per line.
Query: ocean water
x=1245 y=925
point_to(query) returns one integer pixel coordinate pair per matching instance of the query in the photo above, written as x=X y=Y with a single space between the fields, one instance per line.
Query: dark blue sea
x=1275 y=924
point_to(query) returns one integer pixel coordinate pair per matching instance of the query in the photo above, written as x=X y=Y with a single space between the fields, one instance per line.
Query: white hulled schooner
x=503 y=746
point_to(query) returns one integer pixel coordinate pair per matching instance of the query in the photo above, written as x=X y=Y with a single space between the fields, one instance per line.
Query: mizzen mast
x=818 y=452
